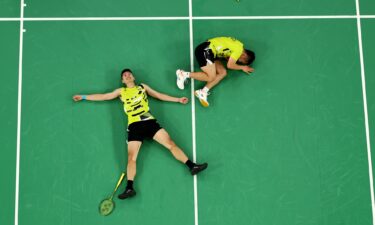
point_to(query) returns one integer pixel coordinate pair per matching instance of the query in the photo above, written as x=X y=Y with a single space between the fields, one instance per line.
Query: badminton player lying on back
x=141 y=124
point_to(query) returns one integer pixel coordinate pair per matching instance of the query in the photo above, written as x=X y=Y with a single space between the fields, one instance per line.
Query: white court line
x=367 y=16
x=359 y=28
x=193 y=111
x=272 y=17
x=103 y=18
x=19 y=117
x=188 y=18
x=10 y=19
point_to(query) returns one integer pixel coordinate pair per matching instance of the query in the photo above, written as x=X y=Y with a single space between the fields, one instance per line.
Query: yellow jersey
x=225 y=47
x=135 y=104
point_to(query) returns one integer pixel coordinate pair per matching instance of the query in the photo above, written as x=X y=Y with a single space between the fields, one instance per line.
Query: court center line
x=363 y=78
x=193 y=110
x=19 y=100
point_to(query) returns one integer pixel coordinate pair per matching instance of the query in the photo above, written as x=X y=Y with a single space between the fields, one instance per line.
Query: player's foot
x=181 y=78
x=198 y=168
x=128 y=193
x=202 y=96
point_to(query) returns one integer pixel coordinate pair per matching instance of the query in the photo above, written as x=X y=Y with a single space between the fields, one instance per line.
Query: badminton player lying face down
x=142 y=124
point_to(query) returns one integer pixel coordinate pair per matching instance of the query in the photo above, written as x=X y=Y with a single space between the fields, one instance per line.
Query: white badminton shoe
x=202 y=96
x=182 y=77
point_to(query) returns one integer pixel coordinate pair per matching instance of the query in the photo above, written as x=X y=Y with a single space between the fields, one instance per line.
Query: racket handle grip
x=119 y=181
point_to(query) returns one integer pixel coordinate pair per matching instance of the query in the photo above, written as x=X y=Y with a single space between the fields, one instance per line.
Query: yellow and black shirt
x=226 y=47
x=136 y=104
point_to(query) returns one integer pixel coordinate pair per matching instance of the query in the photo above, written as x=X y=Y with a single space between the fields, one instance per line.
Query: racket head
x=106 y=207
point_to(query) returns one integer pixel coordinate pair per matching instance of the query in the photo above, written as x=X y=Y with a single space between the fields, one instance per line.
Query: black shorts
x=204 y=54
x=138 y=131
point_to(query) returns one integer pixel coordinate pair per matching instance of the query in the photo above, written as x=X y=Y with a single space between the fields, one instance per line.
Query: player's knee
x=131 y=158
x=223 y=73
x=210 y=78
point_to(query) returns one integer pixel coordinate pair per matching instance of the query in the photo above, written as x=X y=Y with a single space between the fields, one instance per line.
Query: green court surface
x=291 y=137
x=369 y=54
x=367 y=7
x=88 y=139
x=8 y=110
x=286 y=145
x=111 y=8
x=272 y=8
x=9 y=8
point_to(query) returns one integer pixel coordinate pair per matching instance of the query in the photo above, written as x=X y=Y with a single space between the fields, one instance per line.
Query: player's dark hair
x=125 y=70
x=251 y=56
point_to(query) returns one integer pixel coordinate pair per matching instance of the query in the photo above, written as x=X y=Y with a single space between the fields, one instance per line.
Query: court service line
x=9 y=19
x=193 y=111
x=16 y=205
x=104 y=18
x=273 y=17
x=367 y=16
x=359 y=28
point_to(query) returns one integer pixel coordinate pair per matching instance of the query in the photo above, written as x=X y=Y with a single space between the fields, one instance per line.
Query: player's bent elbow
x=229 y=66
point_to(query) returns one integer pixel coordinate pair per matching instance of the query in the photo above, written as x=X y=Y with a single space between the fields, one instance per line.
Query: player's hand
x=183 y=100
x=247 y=69
x=77 y=98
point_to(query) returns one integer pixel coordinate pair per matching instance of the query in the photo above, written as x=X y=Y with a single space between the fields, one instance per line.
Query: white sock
x=206 y=89
x=186 y=74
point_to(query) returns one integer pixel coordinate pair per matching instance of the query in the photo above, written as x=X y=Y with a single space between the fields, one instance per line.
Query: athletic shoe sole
x=203 y=102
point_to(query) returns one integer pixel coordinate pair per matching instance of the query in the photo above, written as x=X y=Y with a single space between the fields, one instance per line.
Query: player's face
x=127 y=77
x=243 y=58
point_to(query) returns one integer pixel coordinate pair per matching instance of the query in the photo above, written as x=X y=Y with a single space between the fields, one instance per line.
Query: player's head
x=127 y=76
x=247 y=57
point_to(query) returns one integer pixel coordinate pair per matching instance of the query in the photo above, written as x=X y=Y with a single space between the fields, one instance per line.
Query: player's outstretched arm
x=98 y=97
x=164 y=97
